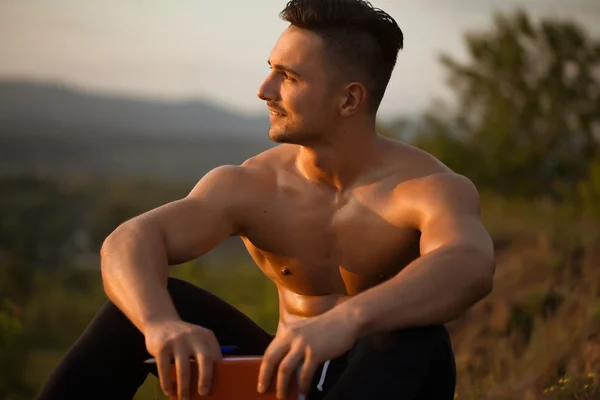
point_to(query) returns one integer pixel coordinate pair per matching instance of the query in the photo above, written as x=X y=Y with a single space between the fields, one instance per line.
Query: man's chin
x=280 y=137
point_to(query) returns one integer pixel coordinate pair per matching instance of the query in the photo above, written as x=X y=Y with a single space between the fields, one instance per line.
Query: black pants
x=106 y=362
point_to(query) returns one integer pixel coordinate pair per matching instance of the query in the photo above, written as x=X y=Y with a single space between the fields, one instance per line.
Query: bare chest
x=316 y=247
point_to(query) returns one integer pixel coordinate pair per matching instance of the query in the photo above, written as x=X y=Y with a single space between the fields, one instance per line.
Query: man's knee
x=176 y=288
x=183 y=291
x=411 y=351
x=193 y=304
x=110 y=315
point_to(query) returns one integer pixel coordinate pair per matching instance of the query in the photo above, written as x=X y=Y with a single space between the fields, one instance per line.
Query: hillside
x=52 y=131
x=91 y=113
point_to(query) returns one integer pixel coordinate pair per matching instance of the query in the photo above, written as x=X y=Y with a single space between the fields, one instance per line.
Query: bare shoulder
x=412 y=161
x=273 y=158
x=431 y=188
x=427 y=179
x=253 y=176
x=441 y=196
x=222 y=180
x=444 y=182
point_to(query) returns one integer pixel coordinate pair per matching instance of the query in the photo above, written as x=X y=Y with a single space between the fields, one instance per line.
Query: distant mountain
x=60 y=105
x=59 y=132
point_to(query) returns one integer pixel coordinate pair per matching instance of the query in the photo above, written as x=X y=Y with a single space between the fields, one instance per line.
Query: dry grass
x=537 y=336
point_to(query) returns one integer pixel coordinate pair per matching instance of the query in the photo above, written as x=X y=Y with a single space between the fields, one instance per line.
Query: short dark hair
x=364 y=40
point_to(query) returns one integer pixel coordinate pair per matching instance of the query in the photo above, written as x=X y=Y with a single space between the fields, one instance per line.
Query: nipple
x=285 y=271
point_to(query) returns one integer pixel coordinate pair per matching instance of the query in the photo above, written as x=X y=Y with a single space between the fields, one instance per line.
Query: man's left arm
x=454 y=272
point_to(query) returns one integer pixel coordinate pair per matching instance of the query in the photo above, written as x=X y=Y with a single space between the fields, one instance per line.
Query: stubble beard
x=282 y=133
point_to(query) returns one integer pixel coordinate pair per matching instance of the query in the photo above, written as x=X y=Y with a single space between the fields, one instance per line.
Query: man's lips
x=276 y=112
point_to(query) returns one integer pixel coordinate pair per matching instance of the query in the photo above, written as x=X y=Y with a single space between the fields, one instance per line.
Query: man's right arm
x=135 y=261
x=135 y=258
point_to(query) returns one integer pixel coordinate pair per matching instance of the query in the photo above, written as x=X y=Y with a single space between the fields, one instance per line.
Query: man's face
x=298 y=91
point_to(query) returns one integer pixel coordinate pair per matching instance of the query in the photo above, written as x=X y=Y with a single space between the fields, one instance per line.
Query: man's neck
x=342 y=159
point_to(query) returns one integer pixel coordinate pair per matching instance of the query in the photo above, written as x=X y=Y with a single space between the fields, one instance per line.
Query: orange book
x=235 y=378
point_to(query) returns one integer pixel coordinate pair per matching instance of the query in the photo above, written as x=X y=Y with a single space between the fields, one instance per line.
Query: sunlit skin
x=360 y=234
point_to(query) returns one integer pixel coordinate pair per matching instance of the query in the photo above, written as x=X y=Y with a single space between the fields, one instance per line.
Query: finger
x=287 y=367
x=306 y=375
x=182 y=364
x=163 y=366
x=214 y=349
x=205 y=372
x=271 y=358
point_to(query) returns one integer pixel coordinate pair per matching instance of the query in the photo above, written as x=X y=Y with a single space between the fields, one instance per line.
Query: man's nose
x=267 y=90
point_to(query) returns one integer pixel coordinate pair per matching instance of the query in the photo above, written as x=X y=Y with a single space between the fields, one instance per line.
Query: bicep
x=450 y=218
x=192 y=226
x=459 y=230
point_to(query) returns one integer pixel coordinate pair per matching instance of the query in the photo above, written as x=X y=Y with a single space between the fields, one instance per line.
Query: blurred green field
x=64 y=302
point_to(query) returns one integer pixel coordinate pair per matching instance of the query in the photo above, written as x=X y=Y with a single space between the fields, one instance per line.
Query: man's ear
x=354 y=97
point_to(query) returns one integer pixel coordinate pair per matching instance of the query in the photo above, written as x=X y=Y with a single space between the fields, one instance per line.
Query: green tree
x=527 y=118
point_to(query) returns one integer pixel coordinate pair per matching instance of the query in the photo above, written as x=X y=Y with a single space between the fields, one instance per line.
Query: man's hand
x=179 y=341
x=311 y=341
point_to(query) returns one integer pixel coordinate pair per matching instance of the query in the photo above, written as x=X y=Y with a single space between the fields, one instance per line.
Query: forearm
x=434 y=289
x=135 y=272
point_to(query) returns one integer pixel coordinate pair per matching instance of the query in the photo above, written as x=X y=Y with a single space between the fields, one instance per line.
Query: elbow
x=479 y=264
x=484 y=274
x=110 y=244
x=111 y=247
x=478 y=287
x=486 y=286
x=121 y=236
x=107 y=248
x=107 y=245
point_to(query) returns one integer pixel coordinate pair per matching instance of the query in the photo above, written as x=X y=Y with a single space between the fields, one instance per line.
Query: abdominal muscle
x=294 y=306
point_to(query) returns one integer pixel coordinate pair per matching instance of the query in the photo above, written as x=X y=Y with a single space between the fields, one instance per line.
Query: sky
x=218 y=50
